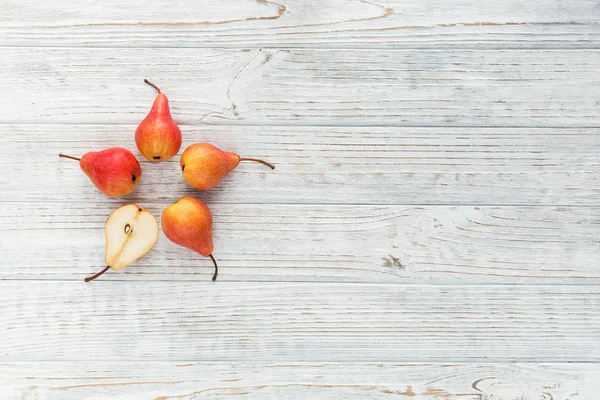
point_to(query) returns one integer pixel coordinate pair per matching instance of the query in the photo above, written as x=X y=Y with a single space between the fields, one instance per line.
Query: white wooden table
x=431 y=231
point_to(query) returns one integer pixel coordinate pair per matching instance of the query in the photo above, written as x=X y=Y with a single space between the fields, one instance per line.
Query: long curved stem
x=214 y=278
x=71 y=157
x=91 y=278
x=153 y=85
x=258 y=161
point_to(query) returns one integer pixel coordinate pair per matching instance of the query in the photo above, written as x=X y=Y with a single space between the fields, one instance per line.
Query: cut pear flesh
x=130 y=233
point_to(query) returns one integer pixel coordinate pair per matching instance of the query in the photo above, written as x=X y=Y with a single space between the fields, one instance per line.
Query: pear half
x=130 y=233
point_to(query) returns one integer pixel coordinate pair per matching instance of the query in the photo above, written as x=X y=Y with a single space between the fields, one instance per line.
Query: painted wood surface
x=348 y=24
x=335 y=243
x=430 y=230
x=297 y=322
x=527 y=88
x=325 y=165
x=252 y=380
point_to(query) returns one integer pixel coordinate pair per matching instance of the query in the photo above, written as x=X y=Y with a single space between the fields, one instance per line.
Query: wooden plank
x=188 y=380
x=442 y=245
x=296 y=322
x=527 y=88
x=325 y=165
x=302 y=23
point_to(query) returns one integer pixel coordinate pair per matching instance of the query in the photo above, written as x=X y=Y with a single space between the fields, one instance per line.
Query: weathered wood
x=384 y=299
x=474 y=245
x=295 y=322
x=530 y=88
x=324 y=165
x=251 y=380
x=302 y=23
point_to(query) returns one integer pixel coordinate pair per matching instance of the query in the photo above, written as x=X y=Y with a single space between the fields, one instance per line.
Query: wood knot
x=392 y=262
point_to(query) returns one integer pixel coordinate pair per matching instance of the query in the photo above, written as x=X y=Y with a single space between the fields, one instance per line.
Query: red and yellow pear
x=114 y=171
x=188 y=223
x=131 y=232
x=158 y=137
x=204 y=166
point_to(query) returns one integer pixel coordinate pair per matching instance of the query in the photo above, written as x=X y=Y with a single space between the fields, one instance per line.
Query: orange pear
x=158 y=137
x=114 y=171
x=188 y=223
x=204 y=166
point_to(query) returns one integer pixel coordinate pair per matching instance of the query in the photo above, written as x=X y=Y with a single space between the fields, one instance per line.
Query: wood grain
x=296 y=322
x=324 y=165
x=252 y=380
x=442 y=245
x=302 y=23
x=526 y=88
x=430 y=231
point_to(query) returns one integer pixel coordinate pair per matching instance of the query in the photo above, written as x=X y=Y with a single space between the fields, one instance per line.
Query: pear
x=204 y=166
x=188 y=223
x=158 y=137
x=130 y=233
x=114 y=171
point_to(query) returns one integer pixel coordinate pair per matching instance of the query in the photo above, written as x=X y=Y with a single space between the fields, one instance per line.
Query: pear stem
x=91 y=278
x=71 y=157
x=258 y=161
x=214 y=278
x=153 y=85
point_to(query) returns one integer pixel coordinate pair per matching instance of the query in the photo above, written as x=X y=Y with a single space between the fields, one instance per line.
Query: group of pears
x=132 y=231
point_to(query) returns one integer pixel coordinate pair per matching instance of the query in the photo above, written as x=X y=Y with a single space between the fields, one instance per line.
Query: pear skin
x=204 y=166
x=114 y=171
x=158 y=137
x=188 y=223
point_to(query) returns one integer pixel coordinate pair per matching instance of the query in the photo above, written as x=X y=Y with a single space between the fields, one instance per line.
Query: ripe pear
x=130 y=233
x=204 y=166
x=158 y=137
x=188 y=223
x=114 y=171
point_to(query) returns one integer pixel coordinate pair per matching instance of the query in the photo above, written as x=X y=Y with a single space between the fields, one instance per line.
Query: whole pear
x=114 y=171
x=131 y=232
x=158 y=137
x=204 y=166
x=188 y=223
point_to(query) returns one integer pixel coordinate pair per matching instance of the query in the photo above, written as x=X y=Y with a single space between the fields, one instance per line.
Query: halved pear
x=130 y=233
